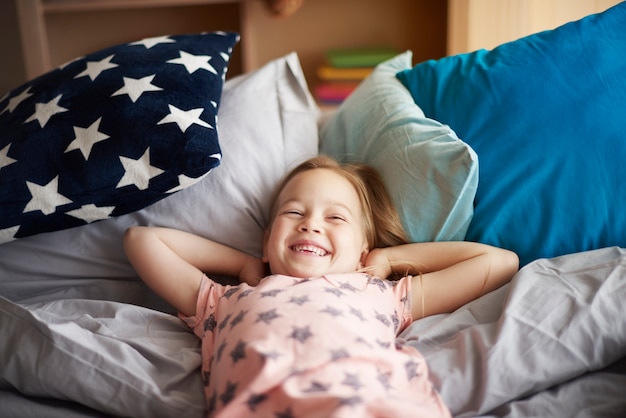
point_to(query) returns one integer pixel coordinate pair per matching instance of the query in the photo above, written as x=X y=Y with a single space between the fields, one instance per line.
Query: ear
x=363 y=260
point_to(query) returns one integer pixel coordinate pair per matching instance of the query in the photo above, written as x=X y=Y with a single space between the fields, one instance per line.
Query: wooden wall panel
x=476 y=24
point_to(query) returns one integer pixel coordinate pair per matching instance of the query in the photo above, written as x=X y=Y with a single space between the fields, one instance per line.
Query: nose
x=309 y=225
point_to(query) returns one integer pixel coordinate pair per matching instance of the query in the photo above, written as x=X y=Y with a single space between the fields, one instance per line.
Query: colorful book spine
x=344 y=69
x=362 y=57
x=334 y=93
x=326 y=72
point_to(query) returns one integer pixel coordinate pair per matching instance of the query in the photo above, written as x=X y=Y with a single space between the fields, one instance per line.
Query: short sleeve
x=208 y=296
x=402 y=298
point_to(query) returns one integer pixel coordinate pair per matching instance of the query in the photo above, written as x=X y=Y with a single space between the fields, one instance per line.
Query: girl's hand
x=378 y=264
x=252 y=271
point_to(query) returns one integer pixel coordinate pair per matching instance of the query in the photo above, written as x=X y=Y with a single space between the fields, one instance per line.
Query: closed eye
x=292 y=212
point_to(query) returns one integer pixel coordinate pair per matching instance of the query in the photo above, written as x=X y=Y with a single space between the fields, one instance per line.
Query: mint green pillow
x=431 y=174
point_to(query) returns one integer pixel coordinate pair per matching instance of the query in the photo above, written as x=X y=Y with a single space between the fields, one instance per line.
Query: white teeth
x=310 y=249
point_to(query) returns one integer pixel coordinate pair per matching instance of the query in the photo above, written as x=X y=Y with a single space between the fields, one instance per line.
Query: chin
x=305 y=273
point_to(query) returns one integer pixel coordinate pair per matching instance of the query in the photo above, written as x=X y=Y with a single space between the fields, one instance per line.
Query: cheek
x=269 y=244
x=273 y=239
x=362 y=241
x=354 y=242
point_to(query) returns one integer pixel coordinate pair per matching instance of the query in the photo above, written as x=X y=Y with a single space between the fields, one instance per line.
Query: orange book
x=326 y=72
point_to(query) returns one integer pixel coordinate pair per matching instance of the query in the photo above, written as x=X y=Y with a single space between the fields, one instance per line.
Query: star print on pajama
x=323 y=347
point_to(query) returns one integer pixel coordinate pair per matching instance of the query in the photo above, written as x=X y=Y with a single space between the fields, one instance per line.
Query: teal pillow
x=431 y=174
x=546 y=116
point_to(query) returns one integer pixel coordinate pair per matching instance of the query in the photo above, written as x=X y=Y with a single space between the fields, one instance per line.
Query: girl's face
x=318 y=227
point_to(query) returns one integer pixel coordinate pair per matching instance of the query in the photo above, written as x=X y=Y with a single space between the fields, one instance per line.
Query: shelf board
x=64 y=6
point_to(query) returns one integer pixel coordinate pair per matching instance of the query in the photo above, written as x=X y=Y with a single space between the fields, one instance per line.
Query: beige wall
x=476 y=24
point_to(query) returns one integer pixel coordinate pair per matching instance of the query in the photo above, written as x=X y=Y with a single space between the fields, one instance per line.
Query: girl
x=317 y=337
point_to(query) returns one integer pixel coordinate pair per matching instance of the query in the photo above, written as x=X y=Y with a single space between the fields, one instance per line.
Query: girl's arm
x=172 y=263
x=446 y=275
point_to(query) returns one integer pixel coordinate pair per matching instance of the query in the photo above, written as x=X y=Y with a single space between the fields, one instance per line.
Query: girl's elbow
x=510 y=264
x=131 y=236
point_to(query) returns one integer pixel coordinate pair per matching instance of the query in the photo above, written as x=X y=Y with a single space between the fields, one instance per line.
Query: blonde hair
x=381 y=222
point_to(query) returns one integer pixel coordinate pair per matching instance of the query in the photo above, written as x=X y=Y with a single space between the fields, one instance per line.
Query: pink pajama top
x=322 y=347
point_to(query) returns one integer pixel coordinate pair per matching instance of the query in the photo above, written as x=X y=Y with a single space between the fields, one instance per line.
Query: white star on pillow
x=186 y=181
x=184 y=118
x=44 y=111
x=194 y=62
x=135 y=87
x=45 y=198
x=150 y=42
x=86 y=138
x=90 y=213
x=138 y=172
x=5 y=160
x=94 y=68
x=8 y=234
x=15 y=101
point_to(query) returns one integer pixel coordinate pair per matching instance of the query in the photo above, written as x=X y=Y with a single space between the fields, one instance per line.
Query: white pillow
x=267 y=124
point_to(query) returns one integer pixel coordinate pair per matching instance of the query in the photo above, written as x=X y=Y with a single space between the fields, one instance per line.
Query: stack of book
x=344 y=69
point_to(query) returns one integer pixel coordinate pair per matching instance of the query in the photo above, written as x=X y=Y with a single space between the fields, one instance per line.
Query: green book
x=359 y=57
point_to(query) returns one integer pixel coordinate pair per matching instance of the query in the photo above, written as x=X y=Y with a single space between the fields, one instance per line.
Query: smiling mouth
x=309 y=249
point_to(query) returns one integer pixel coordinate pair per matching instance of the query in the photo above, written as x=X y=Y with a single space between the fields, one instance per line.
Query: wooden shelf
x=67 y=6
x=52 y=32
x=55 y=31
x=38 y=35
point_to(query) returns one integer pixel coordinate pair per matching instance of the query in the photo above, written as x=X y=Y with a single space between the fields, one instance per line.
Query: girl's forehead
x=319 y=182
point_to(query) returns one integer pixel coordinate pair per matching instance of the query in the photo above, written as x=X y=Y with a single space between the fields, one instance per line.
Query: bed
x=522 y=147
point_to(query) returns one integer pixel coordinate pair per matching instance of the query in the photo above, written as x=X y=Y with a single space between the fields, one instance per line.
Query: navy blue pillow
x=111 y=132
x=546 y=115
